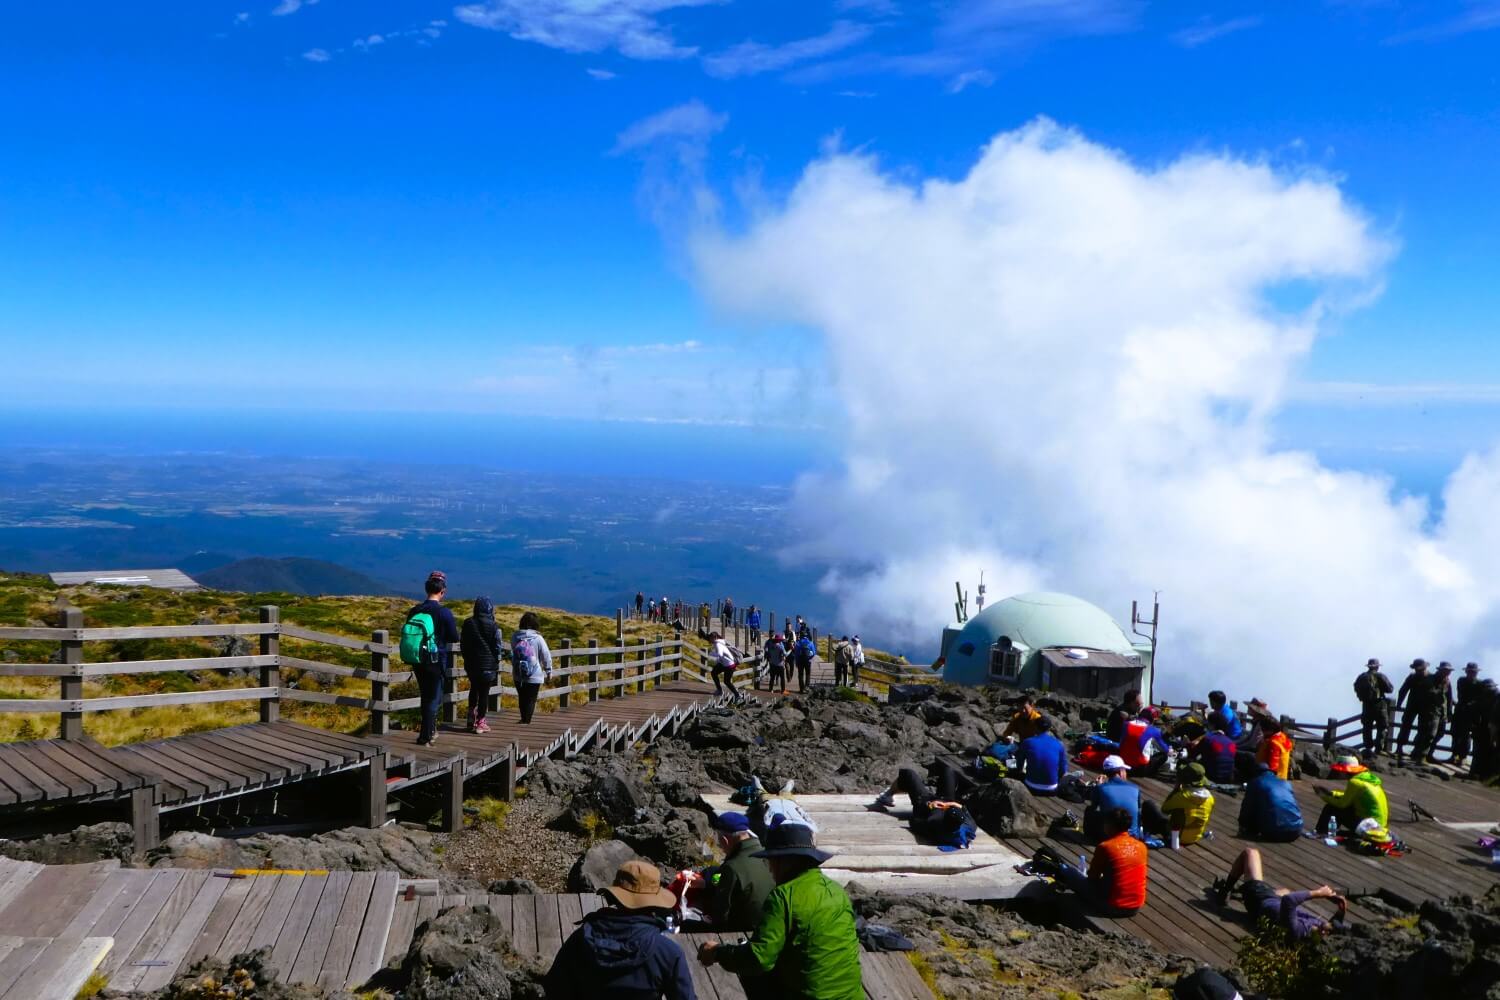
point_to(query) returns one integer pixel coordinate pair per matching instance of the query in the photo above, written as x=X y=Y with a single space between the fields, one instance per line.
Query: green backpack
x=419 y=640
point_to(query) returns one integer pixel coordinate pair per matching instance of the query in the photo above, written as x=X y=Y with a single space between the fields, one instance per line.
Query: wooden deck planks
x=336 y=961
x=319 y=932
x=59 y=970
x=21 y=957
x=370 y=946
x=134 y=924
x=137 y=961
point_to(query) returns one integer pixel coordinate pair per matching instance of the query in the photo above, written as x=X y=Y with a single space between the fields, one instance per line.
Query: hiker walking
x=752 y=621
x=640 y=603
x=775 y=652
x=726 y=613
x=531 y=663
x=843 y=659
x=479 y=641
x=724 y=662
x=857 y=653
x=1417 y=678
x=802 y=657
x=427 y=638
x=1465 y=713
x=1374 y=689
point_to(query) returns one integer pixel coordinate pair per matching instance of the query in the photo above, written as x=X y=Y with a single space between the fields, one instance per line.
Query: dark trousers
x=1331 y=819
x=776 y=673
x=526 y=694
x=804 y=673
x=430 y=688
x=840 y=673
x=1463 y=729
x=727 y=673
x=479 y=695
x=951 y=785
x=1429 y=731
x=1153 y=820
x=1375 y=718
x=1408 y=719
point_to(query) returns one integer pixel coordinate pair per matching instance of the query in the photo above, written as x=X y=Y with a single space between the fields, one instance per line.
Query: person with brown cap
x=1414 y=680
x=622 y=951
x=1374 y=689
x=1465 y=713
x=805 y=946
x=442 y=633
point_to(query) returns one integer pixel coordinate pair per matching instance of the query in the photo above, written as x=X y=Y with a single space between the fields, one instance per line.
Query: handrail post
x=593 y=673
x=619 y=685
x=380 y=663
x=640 y=670
x=567 y=658
x=450 y=690
x=1390 y=723
x=270 y=676
x=71 y=725
x=677 y=662
x=1330 y=737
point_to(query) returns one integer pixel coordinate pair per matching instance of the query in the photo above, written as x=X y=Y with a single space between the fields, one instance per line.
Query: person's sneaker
x=883 y=801
x=482 y=726
x=1219 y=891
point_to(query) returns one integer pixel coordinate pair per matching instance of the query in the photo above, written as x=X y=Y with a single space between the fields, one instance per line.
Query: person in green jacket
x=744 y=881
x=805 y=947
x=1362 y=798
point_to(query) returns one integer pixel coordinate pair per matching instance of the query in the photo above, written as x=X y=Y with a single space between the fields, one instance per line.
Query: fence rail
x=1333 y=732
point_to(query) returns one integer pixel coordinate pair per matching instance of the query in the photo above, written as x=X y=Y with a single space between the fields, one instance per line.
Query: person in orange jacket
x=1275 y=750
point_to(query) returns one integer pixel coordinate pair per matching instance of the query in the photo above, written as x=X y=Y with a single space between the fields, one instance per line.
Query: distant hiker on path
x=705 y=615
x=1465 y=713
x=857 y=651
x=640 y=603
x=802 y=657
x=1374 y=689
x=726 y=613
x=479 y=642
x=752 y=621
x=531 y=663
x=776 y=654
x=1417 y=678
x=724 y=661
x=843 y=660
x=427 y=636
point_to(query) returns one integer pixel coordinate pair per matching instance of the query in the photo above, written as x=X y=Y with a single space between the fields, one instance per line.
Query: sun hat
x=791 y=840
x=1192 y=774
x=1471 y=666
x=1347 y=764
x=1114 y=762
x=1372 y=662
x=638 y=887
x=731 y=822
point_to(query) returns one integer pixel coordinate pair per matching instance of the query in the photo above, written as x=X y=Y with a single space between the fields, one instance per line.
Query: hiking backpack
x=419 y=640
x=522 y=656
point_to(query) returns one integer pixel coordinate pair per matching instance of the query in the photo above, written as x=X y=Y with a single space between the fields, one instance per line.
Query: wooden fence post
x=619 y=686
x=593 y=674
x=380 y=663
x=1390 y=723
x=677 y=662
x=567 y=659
x=453 y=798
x=372 y=802
x=508 y=789
x=71 y=725
x=1330 y=736
x=640 y=670
x=449 y=710
x=270 y=645
x=619 y=623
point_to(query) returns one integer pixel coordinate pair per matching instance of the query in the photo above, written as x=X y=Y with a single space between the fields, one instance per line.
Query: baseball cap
x=437 y=575
x=731 y=822
x=1114 y=762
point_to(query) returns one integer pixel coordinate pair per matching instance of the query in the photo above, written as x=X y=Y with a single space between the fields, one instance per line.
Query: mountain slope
x=292 y=576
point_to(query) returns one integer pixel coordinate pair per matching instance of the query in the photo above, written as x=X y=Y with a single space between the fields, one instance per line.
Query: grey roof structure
x=165 y=579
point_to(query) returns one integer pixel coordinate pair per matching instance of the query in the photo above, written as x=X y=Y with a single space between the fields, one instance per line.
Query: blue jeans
x=430 y=684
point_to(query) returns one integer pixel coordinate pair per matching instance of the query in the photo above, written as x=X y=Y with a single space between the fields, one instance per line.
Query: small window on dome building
x=1005 y=660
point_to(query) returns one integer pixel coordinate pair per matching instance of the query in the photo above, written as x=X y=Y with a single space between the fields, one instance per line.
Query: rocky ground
x=579 y=819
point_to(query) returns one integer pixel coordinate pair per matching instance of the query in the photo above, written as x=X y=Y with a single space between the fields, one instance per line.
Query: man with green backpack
x=427 y=636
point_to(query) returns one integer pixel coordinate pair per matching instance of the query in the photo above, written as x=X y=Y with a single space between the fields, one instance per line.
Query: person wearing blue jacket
x=623 y=952
x=1270 y=810
x=1114 y=791
x=1043 y=759
x=1218 y=708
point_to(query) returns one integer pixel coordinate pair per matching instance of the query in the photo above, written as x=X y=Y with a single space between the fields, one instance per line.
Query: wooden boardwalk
x=1178 y=918
x=538 y=925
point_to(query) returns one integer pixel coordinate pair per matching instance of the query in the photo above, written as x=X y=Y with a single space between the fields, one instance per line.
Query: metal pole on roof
x=1136 y=621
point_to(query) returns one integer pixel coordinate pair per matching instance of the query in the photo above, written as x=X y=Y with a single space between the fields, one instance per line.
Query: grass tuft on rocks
x=1281 y=966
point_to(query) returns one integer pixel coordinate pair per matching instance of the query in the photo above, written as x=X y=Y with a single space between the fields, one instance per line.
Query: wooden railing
x=586 y=672
x=1333 y=731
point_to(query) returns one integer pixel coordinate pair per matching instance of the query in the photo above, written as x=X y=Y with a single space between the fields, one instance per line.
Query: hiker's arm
x=760 y=954
x=721 y=899
x=544 y=655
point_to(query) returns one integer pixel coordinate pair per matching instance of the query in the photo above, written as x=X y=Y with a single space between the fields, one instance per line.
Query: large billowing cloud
x=1060 y=369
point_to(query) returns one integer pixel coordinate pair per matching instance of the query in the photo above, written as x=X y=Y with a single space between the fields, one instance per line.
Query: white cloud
x=689 y=124
x=243 y=17
x=369 y=42
x=600 y=74
x=1062 y=368
x=1479 y=15
x=317 y=55
x=286 y=7
x=632 y=27
x=748 y=58
x=1207 y=29
x=972 y=78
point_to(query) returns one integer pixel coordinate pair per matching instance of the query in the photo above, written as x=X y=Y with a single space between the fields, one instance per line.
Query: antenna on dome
x=979 y=601
x=1136 y=621
x=960 y=606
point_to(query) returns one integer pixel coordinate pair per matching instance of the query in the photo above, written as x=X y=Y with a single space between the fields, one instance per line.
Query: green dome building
x=1046 y=640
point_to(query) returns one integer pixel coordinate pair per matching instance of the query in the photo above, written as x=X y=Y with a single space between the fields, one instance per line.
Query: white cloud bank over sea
x=1061 y=369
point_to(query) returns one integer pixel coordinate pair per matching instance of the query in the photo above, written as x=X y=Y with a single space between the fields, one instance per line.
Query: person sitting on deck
x=1362 y=798
x=743 y=882
x=1186 y=809
x=1043 y=759
x=805 y=945
x=1270 y=811
x=1130 y=708
x=1113 y=792
x=1275 y=750
x=1282 y=907
x=1218 y=707
x=1144 y=746
x=1023 y=721
x=1216 y=752
x=936 y=817
x=622 y=952
x=1115 y=883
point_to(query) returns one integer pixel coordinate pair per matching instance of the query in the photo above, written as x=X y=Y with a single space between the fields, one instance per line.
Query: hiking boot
x=883 y=801
x=1219 y=892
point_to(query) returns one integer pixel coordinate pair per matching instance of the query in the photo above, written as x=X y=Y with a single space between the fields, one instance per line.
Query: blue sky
x=343 y=191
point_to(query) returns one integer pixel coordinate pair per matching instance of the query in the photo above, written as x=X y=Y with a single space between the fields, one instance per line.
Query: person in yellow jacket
x=1186 y=808
x=1023 y=721
x=1363 y=798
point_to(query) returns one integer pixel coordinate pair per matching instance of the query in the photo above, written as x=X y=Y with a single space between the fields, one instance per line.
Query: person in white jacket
x=857 y=648
x=530 y=663
x=724 y=661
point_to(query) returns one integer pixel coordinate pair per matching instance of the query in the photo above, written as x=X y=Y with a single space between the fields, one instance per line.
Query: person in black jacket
x=1465 y=713
x=430 y=677
x=1373 y=689
x=1416 y=679
x=479 y=641
x=622 y=952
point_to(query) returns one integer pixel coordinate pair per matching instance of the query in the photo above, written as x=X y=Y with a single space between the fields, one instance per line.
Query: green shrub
x=1282 y=966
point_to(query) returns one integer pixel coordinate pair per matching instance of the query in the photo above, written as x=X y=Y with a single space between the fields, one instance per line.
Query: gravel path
x=524 y=847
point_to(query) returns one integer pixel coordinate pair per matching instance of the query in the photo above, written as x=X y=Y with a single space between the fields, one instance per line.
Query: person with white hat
x=1114 y=791
x=622 y=951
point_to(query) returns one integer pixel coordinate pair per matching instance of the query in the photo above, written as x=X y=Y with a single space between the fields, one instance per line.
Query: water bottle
x=1176 y=838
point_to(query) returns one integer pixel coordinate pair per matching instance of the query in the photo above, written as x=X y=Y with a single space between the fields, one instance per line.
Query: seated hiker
x=1023 y=722
x=1113 y=792
x=1362 y=798
x=805 y=944
x=1216 y=752
x=1186 y=808
x=1275 y=750
x=739 y=889
x=1129 y=709
x=1282 y=907
x=1144 y=746
x=940 y=817
x=622 y=951
x=1218 y=708
x=1270 y=811
x=1043 y=759
x=1115 y=883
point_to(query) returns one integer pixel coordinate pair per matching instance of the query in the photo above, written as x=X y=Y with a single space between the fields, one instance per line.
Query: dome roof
x=1041 y=620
